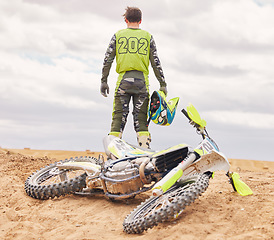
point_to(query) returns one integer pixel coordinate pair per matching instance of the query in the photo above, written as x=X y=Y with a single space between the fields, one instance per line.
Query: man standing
x=134 y=49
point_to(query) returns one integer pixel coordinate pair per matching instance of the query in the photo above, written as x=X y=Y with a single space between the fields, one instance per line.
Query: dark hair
x=133 y=14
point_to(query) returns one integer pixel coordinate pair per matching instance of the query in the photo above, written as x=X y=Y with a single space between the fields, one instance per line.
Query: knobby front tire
x=168 y=206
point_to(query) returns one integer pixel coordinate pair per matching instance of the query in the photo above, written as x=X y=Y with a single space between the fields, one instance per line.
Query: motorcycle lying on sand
x=177 y=176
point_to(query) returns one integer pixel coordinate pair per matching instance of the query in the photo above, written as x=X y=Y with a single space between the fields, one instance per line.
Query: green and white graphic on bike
x=178 y=175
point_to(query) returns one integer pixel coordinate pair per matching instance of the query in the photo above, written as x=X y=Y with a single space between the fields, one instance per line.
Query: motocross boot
x=116 y=134
x=144 y=139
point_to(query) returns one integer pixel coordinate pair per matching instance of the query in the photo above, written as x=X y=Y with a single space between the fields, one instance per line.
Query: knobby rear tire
x=168 y=206
x=39 y=185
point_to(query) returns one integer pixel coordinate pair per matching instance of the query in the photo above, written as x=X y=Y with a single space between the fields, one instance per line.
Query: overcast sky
x=218 y=55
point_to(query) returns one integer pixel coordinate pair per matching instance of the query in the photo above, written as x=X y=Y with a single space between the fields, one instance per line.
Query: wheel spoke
x=56 y=175
x=63 y=176
x=159 y=203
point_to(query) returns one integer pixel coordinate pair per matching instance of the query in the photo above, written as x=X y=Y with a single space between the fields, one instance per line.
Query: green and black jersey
x=133 y=49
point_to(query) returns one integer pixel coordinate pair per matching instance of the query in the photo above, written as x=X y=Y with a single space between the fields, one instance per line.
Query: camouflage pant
x=133 y=86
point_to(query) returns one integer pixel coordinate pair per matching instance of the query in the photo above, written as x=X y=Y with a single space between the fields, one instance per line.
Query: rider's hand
x=163 y=89
x=104 y=89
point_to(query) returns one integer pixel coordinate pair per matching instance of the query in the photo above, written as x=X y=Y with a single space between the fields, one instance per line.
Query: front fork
x=172 y=177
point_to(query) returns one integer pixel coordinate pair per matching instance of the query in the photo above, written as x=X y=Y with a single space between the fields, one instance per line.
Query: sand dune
x=219 y=213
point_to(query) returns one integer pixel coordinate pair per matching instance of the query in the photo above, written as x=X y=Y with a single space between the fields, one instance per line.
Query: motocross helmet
x=160 y=111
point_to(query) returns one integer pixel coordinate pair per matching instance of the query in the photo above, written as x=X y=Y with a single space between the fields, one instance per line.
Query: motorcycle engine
x=123 y=178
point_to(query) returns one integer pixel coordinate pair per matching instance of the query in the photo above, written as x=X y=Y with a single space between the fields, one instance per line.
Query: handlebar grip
x=186 y=114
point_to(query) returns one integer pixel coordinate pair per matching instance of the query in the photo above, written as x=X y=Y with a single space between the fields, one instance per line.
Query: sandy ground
x=219 y=213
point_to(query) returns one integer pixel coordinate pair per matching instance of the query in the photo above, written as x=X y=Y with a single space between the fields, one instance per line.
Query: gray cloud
x=214 y=55
x=197 y=67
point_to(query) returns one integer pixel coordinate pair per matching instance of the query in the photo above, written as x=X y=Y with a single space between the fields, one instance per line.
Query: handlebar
x=199 y=128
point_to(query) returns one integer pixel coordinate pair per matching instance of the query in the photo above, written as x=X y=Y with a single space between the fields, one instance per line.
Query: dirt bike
x=177 y=176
